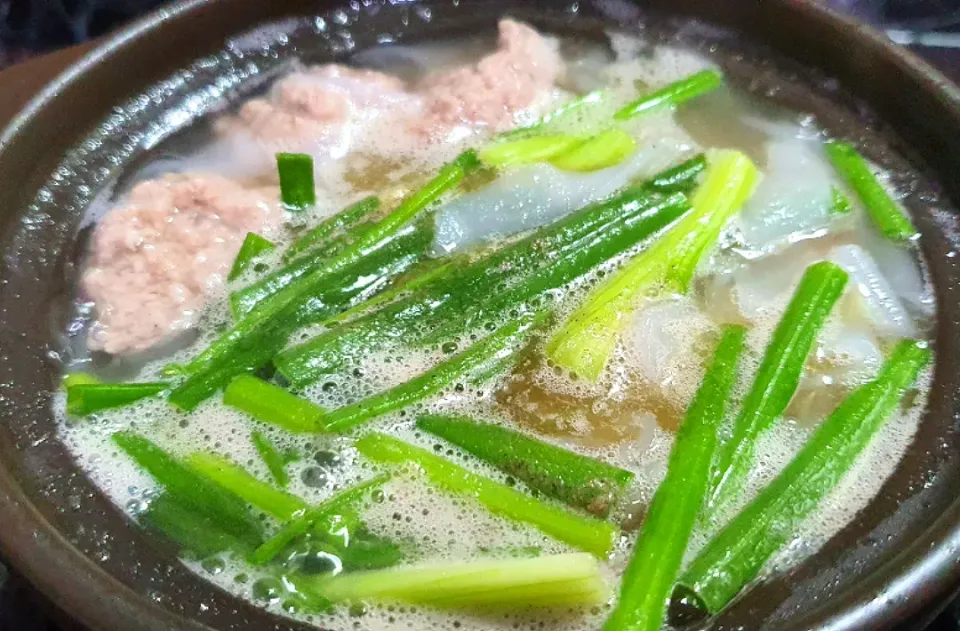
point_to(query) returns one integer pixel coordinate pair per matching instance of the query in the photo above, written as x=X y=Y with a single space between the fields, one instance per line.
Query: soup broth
x=155 y=293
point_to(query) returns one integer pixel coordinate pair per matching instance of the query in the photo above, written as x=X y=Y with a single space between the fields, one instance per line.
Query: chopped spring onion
x=545 y=260
x=605 y=149
x=584 y=344
x=681 y=178
x=672 y=95
x=413 y=242
x=347 y=219
x=239 y=481
x=328 y=513
x=658 y=553
x=259 y=334
x=840 y=205
x=563 y=580
x=735 y=556
x=568 y=110
x=195 y=533
x=364 y=550
x=271 y=404
x=87 y=398
x=253 y=246
x=449 y=176
x=886 y=213
x=475 y=363
x=565 y=475
x=586 y=533
x=297 y=190
x=779 y=373
x=527 y=150
x=271 y=456
x=421 y=275
x=190 y=489
x=78 y=379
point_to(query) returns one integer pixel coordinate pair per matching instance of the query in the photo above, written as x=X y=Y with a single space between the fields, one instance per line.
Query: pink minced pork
x=313 y=106
x=524 y=66
x=155 y=260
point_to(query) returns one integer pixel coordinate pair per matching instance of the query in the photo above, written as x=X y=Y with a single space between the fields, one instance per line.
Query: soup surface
x=465 y=310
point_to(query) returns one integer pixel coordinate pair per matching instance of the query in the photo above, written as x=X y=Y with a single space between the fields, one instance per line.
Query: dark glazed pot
x=101 y=116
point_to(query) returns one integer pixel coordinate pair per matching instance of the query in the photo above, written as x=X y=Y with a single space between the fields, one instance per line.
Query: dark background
x=32 y=27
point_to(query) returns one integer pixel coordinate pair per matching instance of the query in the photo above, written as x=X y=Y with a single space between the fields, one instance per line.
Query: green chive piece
x=604 y=150
x=276 y=462
x=682 y=178
x=79 y=379
x=198 y=535
x=568 y=110
x=886 y=213
x=586 y=341
x=586 y=533
x=488 y=356
x=673 y=95
x=239 y=481
x=327 y=512
x=87 y=398
x=576 y=480
x=527 y=150
x=253 y=246
x=297 y=190
x=271 y=404
x=840 y=204
x=563 y=580
x=658 y=553
x=739 y=551
x=778 y=377
x=451 y=305
x=346 y=220
x=262 y=332
x=191 y=489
